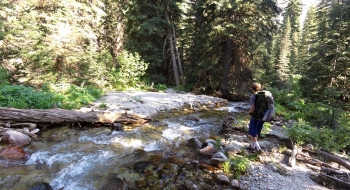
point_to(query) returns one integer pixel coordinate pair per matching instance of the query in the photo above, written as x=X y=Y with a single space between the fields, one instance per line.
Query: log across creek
x=60 y=116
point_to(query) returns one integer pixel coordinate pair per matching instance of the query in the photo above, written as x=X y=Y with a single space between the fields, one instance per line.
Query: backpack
x=264 y=106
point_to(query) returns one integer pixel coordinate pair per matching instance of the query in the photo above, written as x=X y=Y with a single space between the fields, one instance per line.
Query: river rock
x=208 y=151
x=265 y=144
x=58 y=137
x=222 y=178
x=194 y=142
x=210 y=142
x=218 y=159
x=235 y=183
x=190 y=185
x=233 y=149
x=13 y=152
x=16 y=138
x=41 y=186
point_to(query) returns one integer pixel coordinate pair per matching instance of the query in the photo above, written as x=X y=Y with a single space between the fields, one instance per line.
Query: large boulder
x=16 y=138
x=13 y=152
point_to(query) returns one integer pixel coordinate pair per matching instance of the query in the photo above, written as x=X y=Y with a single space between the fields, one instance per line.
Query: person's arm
x=252 y=104
x=252 y=109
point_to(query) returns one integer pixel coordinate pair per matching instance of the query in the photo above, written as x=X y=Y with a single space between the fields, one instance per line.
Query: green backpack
x=264 y=106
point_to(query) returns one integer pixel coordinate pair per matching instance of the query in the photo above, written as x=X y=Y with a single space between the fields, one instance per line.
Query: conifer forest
x=212 y=47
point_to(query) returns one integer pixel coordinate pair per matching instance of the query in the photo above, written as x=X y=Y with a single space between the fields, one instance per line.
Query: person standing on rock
x=255 y=125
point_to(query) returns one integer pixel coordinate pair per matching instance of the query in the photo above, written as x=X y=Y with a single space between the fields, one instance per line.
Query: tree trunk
x=176 y=74
x=59 y=116
x=178 y=56
x=225 y=93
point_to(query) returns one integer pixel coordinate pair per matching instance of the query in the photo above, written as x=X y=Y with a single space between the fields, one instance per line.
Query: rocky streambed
x=185 y=146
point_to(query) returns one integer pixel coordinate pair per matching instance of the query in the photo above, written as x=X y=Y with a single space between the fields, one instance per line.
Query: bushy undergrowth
x=66 y=96
x=325 y=124
x=236 y=166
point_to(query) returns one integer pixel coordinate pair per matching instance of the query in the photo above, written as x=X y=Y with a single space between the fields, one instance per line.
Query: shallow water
x=82 y=159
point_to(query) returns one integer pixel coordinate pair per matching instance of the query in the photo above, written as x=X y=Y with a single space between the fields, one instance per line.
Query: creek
x=89 y=159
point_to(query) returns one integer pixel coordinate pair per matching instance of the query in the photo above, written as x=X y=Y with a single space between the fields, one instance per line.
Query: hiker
x=255 y=125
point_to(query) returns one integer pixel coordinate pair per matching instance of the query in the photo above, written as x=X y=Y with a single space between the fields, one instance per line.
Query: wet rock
x=58 y=137
x=113 y=183
x=16 y=138
x=208 y=151
x=41 y=186
x=194 y=142
x=210 y=141
x=192 y=118
x=221 y=178
x=13 y=152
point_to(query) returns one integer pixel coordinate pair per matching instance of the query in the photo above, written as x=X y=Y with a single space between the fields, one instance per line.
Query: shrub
x=236 y=166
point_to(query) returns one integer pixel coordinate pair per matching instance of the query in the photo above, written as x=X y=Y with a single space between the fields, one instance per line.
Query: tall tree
x=308 y=39
x=294 y=9
x=285 y=52
x=328 y=64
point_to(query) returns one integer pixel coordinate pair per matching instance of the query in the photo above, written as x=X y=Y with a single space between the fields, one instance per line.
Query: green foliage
x=218 y=143
x=160 y=87
x=103 y=106
x=51 y=96
x=130 y=71
x=325 y=138
x=19 y=96
x=4 y=75
x=236 y=166
x=301 y=132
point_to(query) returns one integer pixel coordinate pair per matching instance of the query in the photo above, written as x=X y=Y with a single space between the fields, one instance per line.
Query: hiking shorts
x=255 y=127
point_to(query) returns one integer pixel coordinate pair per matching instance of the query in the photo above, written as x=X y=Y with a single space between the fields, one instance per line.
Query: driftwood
x=59 y=116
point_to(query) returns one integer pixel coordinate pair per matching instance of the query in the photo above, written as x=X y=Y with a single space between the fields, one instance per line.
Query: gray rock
x=16 y=138
x=222 y=178
x=233 y=149
x=235 y=183
x=208 y=150
x=194 y=142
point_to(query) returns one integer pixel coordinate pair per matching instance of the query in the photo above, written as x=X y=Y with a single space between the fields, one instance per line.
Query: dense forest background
x=216 y=47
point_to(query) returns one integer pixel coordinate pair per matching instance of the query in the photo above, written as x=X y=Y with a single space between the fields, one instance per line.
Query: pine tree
x=328 y=64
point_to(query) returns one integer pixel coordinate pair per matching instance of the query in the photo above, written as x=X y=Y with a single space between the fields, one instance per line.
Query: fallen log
x=335 y=172
x=334 y=181
x=335 y=158
x=60 y=116
x=308 y=159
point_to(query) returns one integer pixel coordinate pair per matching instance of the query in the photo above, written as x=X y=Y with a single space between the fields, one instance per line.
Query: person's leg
x=259 y=125
x=253 y=131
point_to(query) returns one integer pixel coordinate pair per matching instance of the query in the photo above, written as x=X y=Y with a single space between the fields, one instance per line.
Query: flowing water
x=82 y=159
